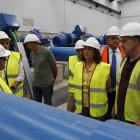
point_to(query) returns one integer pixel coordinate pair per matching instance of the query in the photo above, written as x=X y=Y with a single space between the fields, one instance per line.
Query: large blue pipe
x=62 y=53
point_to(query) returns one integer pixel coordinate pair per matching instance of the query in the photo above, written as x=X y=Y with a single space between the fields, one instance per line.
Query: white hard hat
x=130 y=29
x=92 y=42
x=3 y=35
x=78 y=44
x=31 y=38
x=4 y=52
x=113 y=30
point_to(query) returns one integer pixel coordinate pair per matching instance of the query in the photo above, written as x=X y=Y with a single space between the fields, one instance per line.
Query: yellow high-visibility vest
x=98 y=102
x=4 y=86
x=132 y=100
x=12 y=71
x=72 y=61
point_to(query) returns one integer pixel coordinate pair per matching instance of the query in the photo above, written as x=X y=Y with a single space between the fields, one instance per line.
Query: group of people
x=104 y=82
x=12 y=71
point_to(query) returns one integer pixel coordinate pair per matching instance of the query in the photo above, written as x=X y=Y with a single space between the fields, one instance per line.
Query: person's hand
x=137 y=122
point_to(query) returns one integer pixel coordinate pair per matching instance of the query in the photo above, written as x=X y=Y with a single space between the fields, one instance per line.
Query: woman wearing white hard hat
x=69 y=71
x=3 y=57
x=45 y=70
x=91 y=79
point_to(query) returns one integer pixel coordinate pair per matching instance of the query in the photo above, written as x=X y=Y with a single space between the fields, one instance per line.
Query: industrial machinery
x=102 y=40
x=63 y=44
x=9 y=24
x=69 y=40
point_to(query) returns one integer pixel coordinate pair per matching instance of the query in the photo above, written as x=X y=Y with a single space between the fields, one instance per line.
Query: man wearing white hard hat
x=127 y=104
x=3 y=57
x=69 y=71
x=13 y=72
x=112 y=54
x=45 y=69
x=91 y=80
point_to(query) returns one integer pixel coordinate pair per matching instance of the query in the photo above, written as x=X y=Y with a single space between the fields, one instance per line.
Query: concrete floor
x=59 y=85
x=63 y=106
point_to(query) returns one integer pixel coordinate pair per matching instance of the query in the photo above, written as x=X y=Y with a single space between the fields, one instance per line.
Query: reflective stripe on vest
x=132 y=100
x=99 y=105
x=91 y=89
x=11 y=76
x=93 y=105
x=99 y=90
x=132 y=86
x=76 y=86
x=98 y=98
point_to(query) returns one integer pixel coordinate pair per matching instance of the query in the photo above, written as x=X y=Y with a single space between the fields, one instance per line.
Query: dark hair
x=97 y=56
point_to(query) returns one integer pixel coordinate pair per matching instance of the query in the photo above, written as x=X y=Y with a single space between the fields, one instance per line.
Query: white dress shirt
x=118 y=58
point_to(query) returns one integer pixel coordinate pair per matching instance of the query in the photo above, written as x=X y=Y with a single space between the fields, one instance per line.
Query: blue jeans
x=45 y=92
